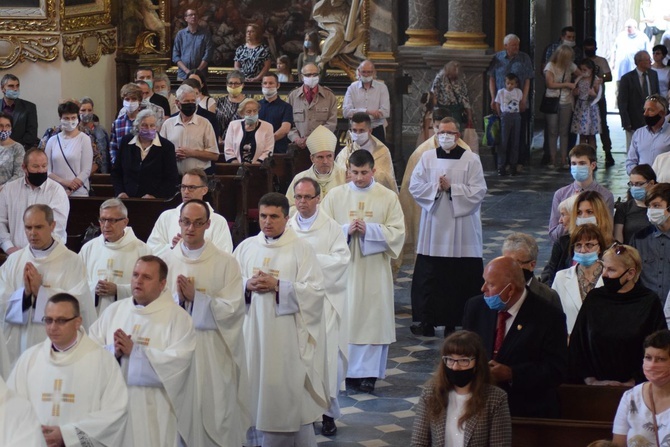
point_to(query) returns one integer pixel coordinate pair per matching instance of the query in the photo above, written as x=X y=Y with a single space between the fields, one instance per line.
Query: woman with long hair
x=590 y=207
x=631 y=215
x=459 y=405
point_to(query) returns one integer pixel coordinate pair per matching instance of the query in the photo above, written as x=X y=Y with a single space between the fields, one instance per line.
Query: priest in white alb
x=448 y=184
x=321 y=144
x=208 y=284
x=31 y=275
x=284 y=329
x=332 y=252
x=166 y=232
x=19 y=426
x=110 y=257
x=371 y=217
x=74 y=385
x=154 y=341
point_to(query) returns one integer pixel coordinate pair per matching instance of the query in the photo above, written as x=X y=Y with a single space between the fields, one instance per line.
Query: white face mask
x=359 y=138
x=131 y=106
x=446 y=141
x=311 y=82
x=269 y=92
x=570 y=43
x=365 y=79
x=586 y=220
x=69 y=125
x=164 y=93
x=656 y=216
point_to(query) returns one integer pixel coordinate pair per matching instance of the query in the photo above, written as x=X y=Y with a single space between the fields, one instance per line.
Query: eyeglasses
x=190 y=187
x=234 y=84
x=446 y=132
x=310 y=75
x=638 y=184
x=618 y=248
x=59 y=321
x=463 y=363
x=196 y=223
x=587 y=246
x=112 y=221
x=298 y=198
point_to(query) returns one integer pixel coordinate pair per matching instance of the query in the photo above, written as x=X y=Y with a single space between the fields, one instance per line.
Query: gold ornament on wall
x=21 y=48
x=32 y=17
x=83 y=14
x=89 y=45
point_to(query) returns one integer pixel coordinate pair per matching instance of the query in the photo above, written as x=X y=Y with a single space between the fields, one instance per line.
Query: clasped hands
x=262 y=282
x=32 y=279
x=357 y=226
x=185 y=289
x=444 y=183
x=123 y=345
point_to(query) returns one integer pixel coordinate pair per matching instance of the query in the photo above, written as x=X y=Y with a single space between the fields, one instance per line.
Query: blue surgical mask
x=579 y=173
x=585 y=259
x=495 y=302
x=638 y=192
x=251 y=120
x=12 y=94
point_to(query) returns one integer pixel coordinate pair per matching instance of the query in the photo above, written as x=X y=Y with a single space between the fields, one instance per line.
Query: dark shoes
x=328 y=427
x=502 y=172
x=609 y=160
x=367 y=385
x=422 y=329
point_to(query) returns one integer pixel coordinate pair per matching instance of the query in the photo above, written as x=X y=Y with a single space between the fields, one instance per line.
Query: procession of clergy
x=183 y=341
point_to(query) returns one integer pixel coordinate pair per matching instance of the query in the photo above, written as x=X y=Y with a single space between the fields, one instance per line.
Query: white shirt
x=360 y=99
x=18 y=195
x=514 y=310
x=453 y=433
x=196 y=134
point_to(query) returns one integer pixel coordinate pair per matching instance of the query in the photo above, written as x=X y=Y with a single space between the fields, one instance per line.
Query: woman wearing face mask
x=146 y=165
x=253 y=58
x=100 y=135
x=249 y=140
x=631 y=215
x=70 y=152
x=605 y=345
x=591 y=208
x=659 y=53
x=574 y=283
x=204 y=101
x=643 y=417
x=311 y=52
x=226 y=106
x=459 y=406
x=11 y=152
x=450 y=92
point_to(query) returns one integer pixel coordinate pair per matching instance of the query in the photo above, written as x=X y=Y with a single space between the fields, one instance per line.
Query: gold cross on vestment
x=266 y=268
x=109 y=274
x=57 y=397
x=360 y=213
x=144 y=341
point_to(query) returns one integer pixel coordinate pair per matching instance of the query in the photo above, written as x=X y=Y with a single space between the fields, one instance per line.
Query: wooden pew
x=301 y=159
x=587 y=414
x=142 y=213
x=100 y=179
x=229 y=198
x=103 y=190
x=283 y=171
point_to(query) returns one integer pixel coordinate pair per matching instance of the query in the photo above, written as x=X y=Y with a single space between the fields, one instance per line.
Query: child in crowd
x=311 y=51
x=507 y=106
x=586 y=117
x=284 y=69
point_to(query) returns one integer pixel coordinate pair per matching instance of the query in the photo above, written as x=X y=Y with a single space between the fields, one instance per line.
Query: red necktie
x=500 y=332
x=309 y=95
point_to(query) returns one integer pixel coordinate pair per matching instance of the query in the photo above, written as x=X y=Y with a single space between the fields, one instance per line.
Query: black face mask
x=613 y=285
x=460 y=378
x=651 y=121
x=37 y=178
x=188 y=109
x=528 y=274
x=590 y=53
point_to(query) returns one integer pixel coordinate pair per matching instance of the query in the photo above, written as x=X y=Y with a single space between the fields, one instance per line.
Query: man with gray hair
x=192 y=135
x=24 y=113
x=523 y=249
x=109 y=258
x=369 y=96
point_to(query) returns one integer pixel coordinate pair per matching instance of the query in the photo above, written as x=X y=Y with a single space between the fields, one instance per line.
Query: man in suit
x=525 y=338
x=523 y=249
x=634 y=87
x=24 y=113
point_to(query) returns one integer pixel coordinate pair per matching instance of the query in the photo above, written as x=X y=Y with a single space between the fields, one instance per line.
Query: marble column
x=421 y=31
x=465 y=25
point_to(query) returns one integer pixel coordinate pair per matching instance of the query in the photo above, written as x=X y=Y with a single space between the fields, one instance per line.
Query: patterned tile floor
x=385 y=417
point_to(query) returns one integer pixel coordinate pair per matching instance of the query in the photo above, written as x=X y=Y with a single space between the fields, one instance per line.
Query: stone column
x=421 y=31
x=465 y=26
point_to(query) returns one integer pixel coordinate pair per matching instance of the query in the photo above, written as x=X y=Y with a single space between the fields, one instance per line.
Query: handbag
x=549 y=104
x=491 y=135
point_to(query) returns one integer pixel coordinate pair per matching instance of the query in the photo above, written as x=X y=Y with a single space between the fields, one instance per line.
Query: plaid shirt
x=121 y=127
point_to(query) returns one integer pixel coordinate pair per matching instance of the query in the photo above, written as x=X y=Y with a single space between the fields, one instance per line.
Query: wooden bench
x=228 y=195
x=587 y=414
x=100 y=179
x=142 y=213
x=103 y=190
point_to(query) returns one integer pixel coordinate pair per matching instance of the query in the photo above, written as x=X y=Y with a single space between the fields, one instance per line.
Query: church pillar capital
x=465 y=25
x=421 y=30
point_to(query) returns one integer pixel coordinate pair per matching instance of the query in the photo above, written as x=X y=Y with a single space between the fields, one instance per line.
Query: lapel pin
x=519 y=327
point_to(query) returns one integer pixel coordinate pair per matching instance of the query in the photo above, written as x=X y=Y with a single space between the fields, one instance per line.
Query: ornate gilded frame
x=74 y=45
x=29 y=19
x=89 y=15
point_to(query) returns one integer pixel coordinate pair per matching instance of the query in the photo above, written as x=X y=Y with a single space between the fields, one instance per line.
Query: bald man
x=525 y=338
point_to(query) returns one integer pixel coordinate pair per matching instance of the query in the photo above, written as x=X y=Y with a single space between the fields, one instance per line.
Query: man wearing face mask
x=525 y=339
x=569 y=38
x=653 y=242
x=369 y=96
x=276 y=111
x=652 y=140
x=146 y=74
x=582 y=165
x=34 y=187
x=123 y=125
x=448 y=184
x=24 y=113
x=360 y=133
x=313 y=105
x=634 y=87
x=192 y=135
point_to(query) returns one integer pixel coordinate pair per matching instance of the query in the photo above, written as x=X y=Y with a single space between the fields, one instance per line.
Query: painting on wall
x=81 y=14
x=27 y=15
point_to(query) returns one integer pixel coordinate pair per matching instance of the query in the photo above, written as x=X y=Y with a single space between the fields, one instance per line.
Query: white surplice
x=158 y=371
x=81 y=390
x=114 y=262
x=384 y=173
x=283 y=333
x=450 y=221
x=326 y=237
x=167 y=227
x=62 y=272
x=222 y=398
x=19 y=426
x=370 y=282
x=336 y=177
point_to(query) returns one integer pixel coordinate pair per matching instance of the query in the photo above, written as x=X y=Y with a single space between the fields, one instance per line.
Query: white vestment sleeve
x=467 y=197
x=201 y=312
x=288 y=300
x=43 y=295
x=374 y=241
x=423 y=188
x=15 y=313
x=345 y=230
x=140 y=371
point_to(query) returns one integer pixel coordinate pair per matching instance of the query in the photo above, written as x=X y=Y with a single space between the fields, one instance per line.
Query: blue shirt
x=520 y=65
x=191 y=49
x=646 y=145
x=276 y=113
x=654 y=248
